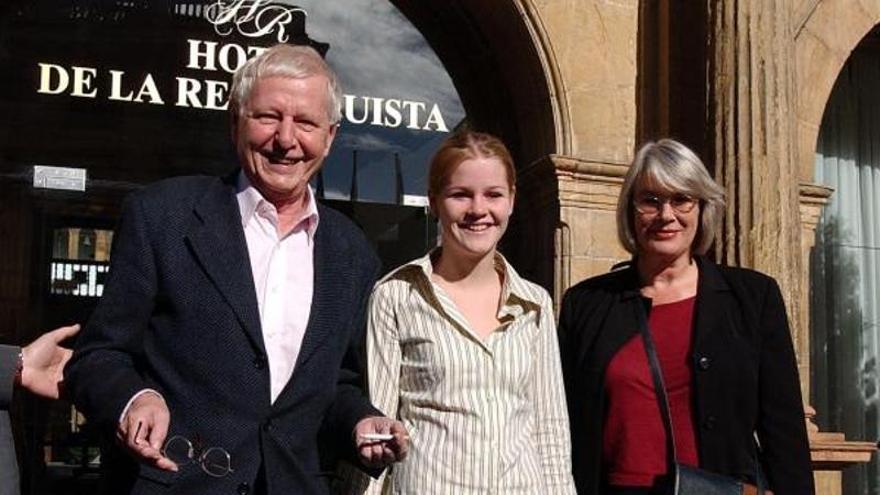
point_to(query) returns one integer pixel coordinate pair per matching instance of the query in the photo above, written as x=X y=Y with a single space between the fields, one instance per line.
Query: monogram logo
x=251 y=18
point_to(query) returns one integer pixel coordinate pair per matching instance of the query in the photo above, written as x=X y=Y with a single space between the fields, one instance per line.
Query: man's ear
x=233 y=126
x=331 y=134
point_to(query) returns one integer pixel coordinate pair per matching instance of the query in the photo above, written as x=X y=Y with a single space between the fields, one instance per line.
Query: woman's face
x=665 y=222
x=474 y=207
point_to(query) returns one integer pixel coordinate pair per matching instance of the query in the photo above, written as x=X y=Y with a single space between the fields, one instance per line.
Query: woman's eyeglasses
x=215 y=461
x=652 y=204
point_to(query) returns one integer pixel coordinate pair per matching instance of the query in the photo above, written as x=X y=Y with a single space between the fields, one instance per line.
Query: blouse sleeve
x=551 y=435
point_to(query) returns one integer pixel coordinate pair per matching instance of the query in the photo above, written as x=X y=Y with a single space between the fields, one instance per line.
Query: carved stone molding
x=831 y=453
x=812 y=198
x=583 y=194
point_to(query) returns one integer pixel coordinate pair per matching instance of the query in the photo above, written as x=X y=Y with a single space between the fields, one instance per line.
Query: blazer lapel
x=217 y=241
x=711 y=288
x=618 y=323
x=333 y=278
x=622 y=324
x=330 y=300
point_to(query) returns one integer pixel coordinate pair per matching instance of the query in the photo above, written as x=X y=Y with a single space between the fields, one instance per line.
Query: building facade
x=573 y=86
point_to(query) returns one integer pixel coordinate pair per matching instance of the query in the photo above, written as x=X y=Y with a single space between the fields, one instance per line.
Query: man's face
x=283 y=135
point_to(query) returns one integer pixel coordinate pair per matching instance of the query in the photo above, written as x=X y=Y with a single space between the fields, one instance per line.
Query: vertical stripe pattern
x=485 y=416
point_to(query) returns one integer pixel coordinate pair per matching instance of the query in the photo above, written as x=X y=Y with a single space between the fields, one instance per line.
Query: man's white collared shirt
x=283 y=270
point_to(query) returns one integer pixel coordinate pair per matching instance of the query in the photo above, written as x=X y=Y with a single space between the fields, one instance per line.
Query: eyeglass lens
x=179 y=450
x=652 y=203
x=214 y=461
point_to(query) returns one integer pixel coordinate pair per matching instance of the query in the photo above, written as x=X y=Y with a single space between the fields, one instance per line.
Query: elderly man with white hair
x=223 y=352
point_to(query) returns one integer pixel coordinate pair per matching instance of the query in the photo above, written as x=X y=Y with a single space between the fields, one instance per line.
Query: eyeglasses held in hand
x=652 y=204
x=215 y=461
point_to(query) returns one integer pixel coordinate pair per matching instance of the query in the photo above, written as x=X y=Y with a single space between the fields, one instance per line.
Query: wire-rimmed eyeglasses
x=215 y=461
x=650 y=203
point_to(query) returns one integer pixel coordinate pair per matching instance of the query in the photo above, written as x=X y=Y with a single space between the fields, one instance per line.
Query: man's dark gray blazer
x=179 y=314
x=8 y=462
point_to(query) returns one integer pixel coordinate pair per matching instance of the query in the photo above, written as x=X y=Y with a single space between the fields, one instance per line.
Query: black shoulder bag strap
x=663 y=401
x=659 y=386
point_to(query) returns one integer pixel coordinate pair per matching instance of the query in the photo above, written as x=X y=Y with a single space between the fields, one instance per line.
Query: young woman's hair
x=467 y=145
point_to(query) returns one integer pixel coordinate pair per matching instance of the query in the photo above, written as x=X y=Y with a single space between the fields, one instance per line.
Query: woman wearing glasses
x=721 y=336
x=464 y=351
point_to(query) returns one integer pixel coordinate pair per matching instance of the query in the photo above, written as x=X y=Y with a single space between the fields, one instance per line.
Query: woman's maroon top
x=634 y=443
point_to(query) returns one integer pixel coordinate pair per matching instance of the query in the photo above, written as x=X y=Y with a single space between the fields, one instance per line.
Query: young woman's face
x=474 y=207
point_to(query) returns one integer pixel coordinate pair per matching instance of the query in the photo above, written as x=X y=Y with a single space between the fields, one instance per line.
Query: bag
x=691 y=481
x=688 y=480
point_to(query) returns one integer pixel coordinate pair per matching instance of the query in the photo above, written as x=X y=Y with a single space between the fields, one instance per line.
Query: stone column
x=813 y=198
x=771 y=218
x=751 y=106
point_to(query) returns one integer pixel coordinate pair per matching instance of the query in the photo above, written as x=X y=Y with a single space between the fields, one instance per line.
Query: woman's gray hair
x=283 y=60
x=675 y=168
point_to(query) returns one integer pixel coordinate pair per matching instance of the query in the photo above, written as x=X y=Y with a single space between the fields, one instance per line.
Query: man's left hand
x=378 y=453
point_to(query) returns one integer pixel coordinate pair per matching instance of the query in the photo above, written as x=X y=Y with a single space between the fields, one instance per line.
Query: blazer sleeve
x=383 y=365
x=576 y=400
x=9 y=482
x=351 y=403
x=781 y=426
x=8 y=365
x=102 y=375
x=566 y=340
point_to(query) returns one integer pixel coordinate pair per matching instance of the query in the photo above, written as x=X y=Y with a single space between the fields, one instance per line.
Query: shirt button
x=704 y=363
x=709 y=422
x=244 y=489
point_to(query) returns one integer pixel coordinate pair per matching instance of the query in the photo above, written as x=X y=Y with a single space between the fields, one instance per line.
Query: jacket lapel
x=711 y=290
x=217 y=242
x=622 y=323
x=333 y=278
x=617 y=325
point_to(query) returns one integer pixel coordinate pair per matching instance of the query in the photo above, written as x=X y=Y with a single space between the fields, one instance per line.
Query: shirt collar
x=249 y=199
x=513 y=288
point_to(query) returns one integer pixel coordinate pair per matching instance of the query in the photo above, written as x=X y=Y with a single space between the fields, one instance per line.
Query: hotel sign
x=251 y=18
x=245 y=28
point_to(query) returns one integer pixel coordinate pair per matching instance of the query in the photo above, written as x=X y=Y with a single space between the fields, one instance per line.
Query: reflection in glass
x=845 y=264
x=80 y=261
x=400 y=102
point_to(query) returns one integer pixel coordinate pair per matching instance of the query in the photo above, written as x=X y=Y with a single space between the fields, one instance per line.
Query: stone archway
x=822 y=47
x=825 y=34
x=557 y=81
x=503 y=68
x=821 y=50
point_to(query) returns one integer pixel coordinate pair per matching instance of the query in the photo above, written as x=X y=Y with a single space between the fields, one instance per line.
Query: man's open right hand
x=143 y=429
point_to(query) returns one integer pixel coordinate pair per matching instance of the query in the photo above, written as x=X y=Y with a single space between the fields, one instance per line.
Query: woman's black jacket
x=745 y=377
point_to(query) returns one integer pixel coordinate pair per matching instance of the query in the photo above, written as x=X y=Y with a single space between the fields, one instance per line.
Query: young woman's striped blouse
x=485 y=416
